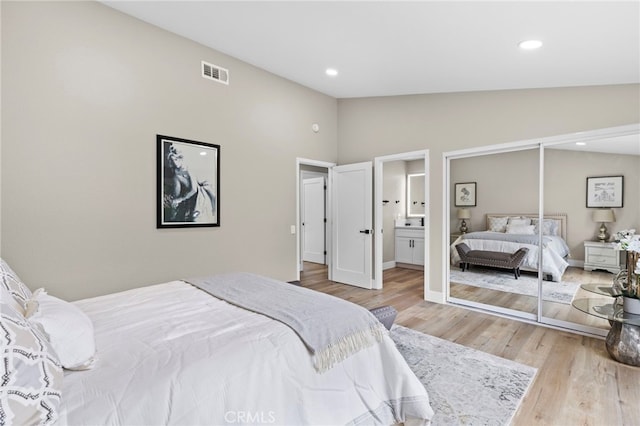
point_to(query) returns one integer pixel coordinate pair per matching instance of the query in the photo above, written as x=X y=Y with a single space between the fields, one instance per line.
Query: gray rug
x=560 y=292
x=465 y=386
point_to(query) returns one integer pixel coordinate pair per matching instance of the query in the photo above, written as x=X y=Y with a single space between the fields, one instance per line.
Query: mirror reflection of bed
x=508 y=183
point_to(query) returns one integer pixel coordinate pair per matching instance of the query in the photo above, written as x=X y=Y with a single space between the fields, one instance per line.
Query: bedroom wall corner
x=79 y=151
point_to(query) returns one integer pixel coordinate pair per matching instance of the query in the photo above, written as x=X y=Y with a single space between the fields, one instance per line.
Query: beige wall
x=445 y=122
x=505 y=183
x=508 y=183
x=85 y=91
x=566 y=174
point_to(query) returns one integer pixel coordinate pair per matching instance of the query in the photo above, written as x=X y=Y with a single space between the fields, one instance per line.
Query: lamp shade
x=603 y=215
x=464 y=214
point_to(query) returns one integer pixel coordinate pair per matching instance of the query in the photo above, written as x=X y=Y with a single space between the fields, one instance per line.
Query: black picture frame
x=465 y=194
x=188 y=183
x=605 y=191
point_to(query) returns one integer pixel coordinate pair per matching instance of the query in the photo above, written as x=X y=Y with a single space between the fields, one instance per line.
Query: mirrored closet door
x=594 y=182
x=563 y=199
x=493 y=196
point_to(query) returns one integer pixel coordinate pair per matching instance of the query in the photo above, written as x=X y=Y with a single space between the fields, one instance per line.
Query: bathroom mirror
x=415 y=195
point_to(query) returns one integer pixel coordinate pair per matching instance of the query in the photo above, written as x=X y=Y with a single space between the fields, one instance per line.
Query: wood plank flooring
x=529 y=304
x=577 y=382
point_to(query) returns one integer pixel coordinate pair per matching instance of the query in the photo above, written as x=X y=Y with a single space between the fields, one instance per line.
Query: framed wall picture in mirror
x=465 y=194
x=605 y=191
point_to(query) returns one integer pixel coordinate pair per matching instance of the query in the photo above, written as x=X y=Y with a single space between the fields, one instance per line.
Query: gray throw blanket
x=331 y=328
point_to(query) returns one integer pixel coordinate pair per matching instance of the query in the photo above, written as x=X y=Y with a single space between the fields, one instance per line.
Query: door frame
x=328 y=166
x=377 y=212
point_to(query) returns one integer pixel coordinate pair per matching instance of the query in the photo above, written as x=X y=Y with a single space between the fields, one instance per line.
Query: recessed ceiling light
x=581 y=143
x=530 y=44
x=332 y=72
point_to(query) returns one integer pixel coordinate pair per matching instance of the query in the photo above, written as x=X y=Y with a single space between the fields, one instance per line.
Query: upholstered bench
x=385 y=314
x=494 y=259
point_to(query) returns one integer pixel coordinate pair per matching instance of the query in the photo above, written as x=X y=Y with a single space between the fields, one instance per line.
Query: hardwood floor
x=577 y=382
x=529 y=304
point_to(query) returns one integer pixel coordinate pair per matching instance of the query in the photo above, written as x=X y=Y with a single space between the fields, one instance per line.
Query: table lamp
x=603 y=216
x=464 y=214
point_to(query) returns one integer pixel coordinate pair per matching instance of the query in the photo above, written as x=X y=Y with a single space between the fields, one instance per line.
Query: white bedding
x=172 y=354
x=553 y=253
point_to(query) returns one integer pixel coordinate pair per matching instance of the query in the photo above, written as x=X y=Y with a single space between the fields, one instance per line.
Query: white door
x=313 y=220
x=352 y=224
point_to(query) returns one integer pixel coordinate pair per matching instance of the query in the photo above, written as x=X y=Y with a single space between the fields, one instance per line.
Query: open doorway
x=313 y=248
x=415 y=204
x=401 y=214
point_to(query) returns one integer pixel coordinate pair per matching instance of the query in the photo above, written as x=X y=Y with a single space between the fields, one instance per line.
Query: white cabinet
x=410 y=245
x=604 y=256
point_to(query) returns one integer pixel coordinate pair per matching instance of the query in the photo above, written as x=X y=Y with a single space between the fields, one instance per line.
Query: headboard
x=560 y=217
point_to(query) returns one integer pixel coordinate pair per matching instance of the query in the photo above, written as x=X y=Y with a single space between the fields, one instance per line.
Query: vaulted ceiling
x=384 y=48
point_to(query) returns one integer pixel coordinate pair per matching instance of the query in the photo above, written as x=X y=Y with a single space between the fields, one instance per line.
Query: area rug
x=465 y=386
x=560 y=292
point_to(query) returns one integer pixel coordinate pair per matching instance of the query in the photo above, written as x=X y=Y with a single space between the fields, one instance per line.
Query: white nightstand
x=453 y=237
x=604 y=256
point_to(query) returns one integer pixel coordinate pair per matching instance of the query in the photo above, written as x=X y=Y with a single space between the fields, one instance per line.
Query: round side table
x=623 y=340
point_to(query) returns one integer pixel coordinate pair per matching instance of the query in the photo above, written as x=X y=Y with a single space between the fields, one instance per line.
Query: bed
x=507 y=233
x=173 y=354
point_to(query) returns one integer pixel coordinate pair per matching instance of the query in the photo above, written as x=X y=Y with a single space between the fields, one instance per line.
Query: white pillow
x=519 y=221
x=498 y=224
x=526 y=230
x=69 y=330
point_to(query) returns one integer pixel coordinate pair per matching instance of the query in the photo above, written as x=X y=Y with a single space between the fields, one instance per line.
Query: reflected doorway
x=401 y=218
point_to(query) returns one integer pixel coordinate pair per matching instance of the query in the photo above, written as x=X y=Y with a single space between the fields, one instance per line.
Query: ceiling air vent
x=214 y=72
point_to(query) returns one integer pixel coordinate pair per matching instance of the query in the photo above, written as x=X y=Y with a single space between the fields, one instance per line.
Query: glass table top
x=601 y=289
x=607 y=309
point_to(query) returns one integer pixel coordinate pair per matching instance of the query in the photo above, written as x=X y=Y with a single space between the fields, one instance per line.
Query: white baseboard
x=388 y=265
x=576 y=263
x=434 y=296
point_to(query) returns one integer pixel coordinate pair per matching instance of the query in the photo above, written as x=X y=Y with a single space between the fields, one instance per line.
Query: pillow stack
x=520 y=225
x=40 y=336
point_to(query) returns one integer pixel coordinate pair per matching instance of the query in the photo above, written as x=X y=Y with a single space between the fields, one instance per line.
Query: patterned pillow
x=30 y=374
x=498 y=224
x=10 y=281
x=549 y=226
